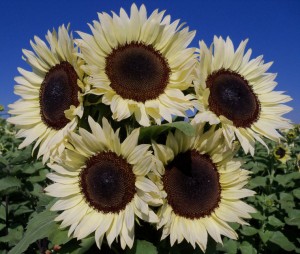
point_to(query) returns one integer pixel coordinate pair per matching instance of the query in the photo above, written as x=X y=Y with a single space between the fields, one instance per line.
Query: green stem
x=271 y=175
x=6 y=213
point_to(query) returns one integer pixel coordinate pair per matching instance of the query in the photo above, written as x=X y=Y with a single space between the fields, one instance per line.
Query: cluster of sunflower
x=87 y=99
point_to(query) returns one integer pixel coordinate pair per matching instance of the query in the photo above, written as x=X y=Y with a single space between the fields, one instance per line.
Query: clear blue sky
x=272 y=26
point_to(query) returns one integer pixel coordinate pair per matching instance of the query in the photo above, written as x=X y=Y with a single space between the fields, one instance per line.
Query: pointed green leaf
x=247 y=230
x=258 y=216
x=294 y=218
x=13 y=237
x=265 y=235
x=229 y=246
x=296 y=193
x=247 y=248
x=142 y=246
x=40 y=226
x=275 y=222
x=281 y=240
x=59 y=236
x=9 y=182
x=257 y=181
x=21 y=156
x=286 y=178
x=153 y=131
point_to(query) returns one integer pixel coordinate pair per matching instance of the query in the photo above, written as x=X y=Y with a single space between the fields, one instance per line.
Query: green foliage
x=275 y=226
x=155 y=130
x=39 y=226
x=27 y=225
x=22 y=180
x=142 y=246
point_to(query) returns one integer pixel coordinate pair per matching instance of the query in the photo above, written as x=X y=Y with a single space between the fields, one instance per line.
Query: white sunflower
x=140 y=65
x=51 y=99
x=237 y=93
x=102 y=185
x=202 y=186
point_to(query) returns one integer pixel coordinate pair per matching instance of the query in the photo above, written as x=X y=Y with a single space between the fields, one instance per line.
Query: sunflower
x=238 y=93
x=202 y=186
x=291 y=135
x=282 y=153
x=51 y=99
x=102 y=185
x=140 y=66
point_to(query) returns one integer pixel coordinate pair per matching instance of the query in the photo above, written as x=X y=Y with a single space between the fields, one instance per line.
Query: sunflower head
x=51 y=94
x=282 y=153
x=237 y=93
x=202 y=185
x=291 y=135
x=140 y=65
x=103 y=185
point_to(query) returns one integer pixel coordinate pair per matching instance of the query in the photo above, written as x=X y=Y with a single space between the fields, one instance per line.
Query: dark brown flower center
x=191 y=182
x=137 y=71
x=58 y=92
x=280 y=152
x=232 y=97
x=107 y=182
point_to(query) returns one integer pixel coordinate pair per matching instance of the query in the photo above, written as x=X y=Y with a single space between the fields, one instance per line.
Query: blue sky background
x=272 y=26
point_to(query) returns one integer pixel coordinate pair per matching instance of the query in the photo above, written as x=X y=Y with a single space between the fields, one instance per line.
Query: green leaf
x=37 y=191
x=286 y=178
x=265 y=235
x=59 y=236
x=247 y=230
x=286 y=200
x=294 y=218
x=296 y=193
x=40 y=226
x=2 y=226
x=234 y=225
x=3 y=161
x=85 y=245
x=258 y=181
x=44 y=200
x=9 y=182
x=78 y=247
x=275 y=222
x=142 y=247
x=229 y=246
x=22 y=210
x=282 y=241
x=249 y=165
x=153 y=131
x=2 y=211
x=21 y=156
x=13 y=237
x=258 y=216
x=30 y=168
x=247 y=248
x=41 y=177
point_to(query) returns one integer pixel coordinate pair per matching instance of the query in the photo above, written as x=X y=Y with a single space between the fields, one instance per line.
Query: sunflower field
x=127 y=140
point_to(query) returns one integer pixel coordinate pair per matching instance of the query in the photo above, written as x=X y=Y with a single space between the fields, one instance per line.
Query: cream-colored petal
x=62 y=190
